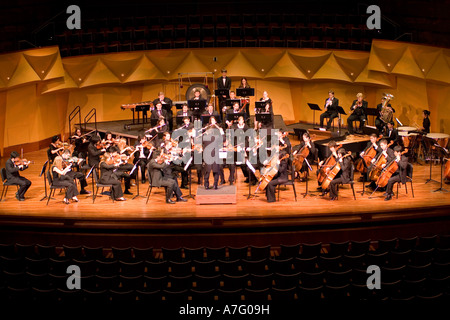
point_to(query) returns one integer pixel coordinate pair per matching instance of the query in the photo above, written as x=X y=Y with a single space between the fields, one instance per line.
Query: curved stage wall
x=38 y=89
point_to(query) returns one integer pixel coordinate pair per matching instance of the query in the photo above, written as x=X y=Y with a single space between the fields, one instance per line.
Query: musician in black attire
x=93 y=152
x=224 y=82
x=359 y=113
x=212 y=137
x=267 y=124
x=13 y=175
x=311 y=155
x=141 y=154
x=184 y=112
x=331 y=112
x=54 y=150
x=399 y=175
x=210 y=112
x=241 y=147
x=166 y=104
x=280 y=178
x=122 y=171
x=371 y=143
x=385 y=151
x=343 y=176
x=160 y=112
x=161 y=177
x=233 y=110
x=390 y=133
x=244 y=85
x=426 y=122
x=108 y=176
x=380 y=124
x=78 y=140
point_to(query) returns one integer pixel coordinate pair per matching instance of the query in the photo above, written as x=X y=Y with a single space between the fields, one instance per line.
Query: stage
x=311 y=218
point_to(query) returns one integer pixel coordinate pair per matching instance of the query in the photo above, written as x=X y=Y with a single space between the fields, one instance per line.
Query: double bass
x=377 y=166
x=271 y=171
x=362 y=163
x=333 y=172
x=329 y=163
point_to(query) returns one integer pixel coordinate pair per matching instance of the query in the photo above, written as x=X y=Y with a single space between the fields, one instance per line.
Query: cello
x=271 y=171
x=388 y=171
x=362 y=163
x=333 y=172
x=330 y=162
x=299 y=157
x=377 y=166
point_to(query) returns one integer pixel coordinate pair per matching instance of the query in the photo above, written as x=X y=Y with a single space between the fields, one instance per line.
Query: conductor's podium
x=225 y=194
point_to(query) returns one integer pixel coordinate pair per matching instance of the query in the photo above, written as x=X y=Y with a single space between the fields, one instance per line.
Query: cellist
x=375 y=145
x=332 y=146
x=311 y=154
x=280 y=178
x=343 y=176
x=383 y=151
x=399 y=175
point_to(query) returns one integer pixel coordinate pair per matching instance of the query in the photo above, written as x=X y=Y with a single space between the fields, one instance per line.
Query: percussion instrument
x=441 y=138
x=407 y=129
x=408 y=138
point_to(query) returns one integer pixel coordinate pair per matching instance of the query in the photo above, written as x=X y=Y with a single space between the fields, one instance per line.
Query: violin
x=22 y=162
x=333 y=172
x=377 y=166
x=387 y=172
x=163 y=157
x=362 y=163
x=271 y=171
x=330 y=162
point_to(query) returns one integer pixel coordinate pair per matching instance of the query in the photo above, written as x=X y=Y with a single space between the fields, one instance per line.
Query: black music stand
x=93 y=184
x=180 y=122
x=231 y=102
x=137 y=178
x=340 y=111
x=314 y=107
x=430 y=142
x=222 y=92
x=443 y=153
x=197 y=107
x=260 y=106
x=188 y=167
x=235 y=116
x=144 y=108
x=44 y=168
x=251 y=168
x=372 y=112
x=263 y=117
x=306 y=180
x=245 y=92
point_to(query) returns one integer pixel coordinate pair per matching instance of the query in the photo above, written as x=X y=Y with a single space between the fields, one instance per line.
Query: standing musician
x=160 y=173
x=166 y=104
x=281 y=177
x=224 y=82
x=61 y=178
x=399 y=175
x=390 y=133
x=385 y=151
x=215 y=132
x=142 y=150
x=358 y=108
x=268 y=109
x=95 y=150
x=426 y=122
x=245 y=100
x=13 y=165
x=343 y=176
x=108 y=167
x=56 y=147
x=331 y=112
x=241 y=125
x=170 y=147
x=380 y=124
x=332 y=146
x=311 y=155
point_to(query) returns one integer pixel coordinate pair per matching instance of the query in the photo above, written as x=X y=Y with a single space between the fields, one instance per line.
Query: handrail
x=72 y=115
x=92 y=113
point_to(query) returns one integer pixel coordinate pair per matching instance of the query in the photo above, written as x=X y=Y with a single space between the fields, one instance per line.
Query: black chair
x=338 y=248
x=310 y=250
x=180 y=269
x=150 y=187
x=143 y=254
x=98 y=186
x=230 y=267
x=132 y=269
x=256 y=267
x=286 y=281
x=26 y=250
x=122 y=254
x=52 y=186
x=258 y=253
x=93 y=253
x=398 y=259
x=202 y=296
x=172 y=254
x=330 y=264
x=36 y=266
x=87 y=267
x=237 y=253
x=231 y=283
x=282 y=266
x=305 y=264
x=351 y=182
x=352 y=262
x=75 y=252
x=176 y=284
x=426 y=243
x=229 y=296
x=156 y=269
x=107 y=269
x=131 y=283
x=6 y=184
x=417 y=272
x=409 y=178
x=192 y=254
x=203 y=283
x=310 y=294
x=312 y=280
x=393 y=274
x=122 y=296
x=405 y=244
x=215 y=253
x=155 y=283
x=290 y=182
x=205 y=268
x=386 y=245
x=359 y=247
x=422 y=257
x=289 y=251
x=260 y=282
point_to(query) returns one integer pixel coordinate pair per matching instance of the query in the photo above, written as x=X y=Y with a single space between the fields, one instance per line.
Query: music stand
x=44 y=167
x=306 y=180
x=443 y=153
x=93 y=185
x=180 y=122
x=263 y=117
x=260 y=105
x=340 y=111
x=372 y=112
x=179 y=104
x=137 y=178
x=430 y=143
x=234 y=116
x=314 y=107
x=245 y=92
x=250 y=167
x=231 y=102
x=144 y=108
x=197 y=107
x=186 y=167
x=222 y=92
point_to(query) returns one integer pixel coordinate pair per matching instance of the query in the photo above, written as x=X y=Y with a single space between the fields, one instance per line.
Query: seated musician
x=268 y=124
x=160 y=173
x=228 y=104
x=184 y=112
x=280 y=177
x=159 y=112
x=166 y=104
x=95 y=151
x=56 y=148
x=380 y=124
x=399 y=175
x=197 y=95
x=373 y=142
x=358 y=109
x=331 y=112
x=309 y=160
x=390 y=133
x=76 y=162
x=246 y=100
x=122 y=170
x=142 y=154
x=108 y=169
x=211 y=112
x=61 y=178
x=283 y=140
x=13 y=166
x=242 y=146
x=344 y=175
x=78 y=139
x=235 y=109
x=332 y=146
x=383 y=151
x=214 y=131
x=170 y=147
x=110 y=143
x=152 y=133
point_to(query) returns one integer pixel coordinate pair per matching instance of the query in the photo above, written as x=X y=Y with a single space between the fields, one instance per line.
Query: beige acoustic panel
x=425 y=57
x=122 y=65
x=385 y=55
x=309 y=61
x=145 y=71
x=60 y=84
x=23 y=73
x=190 y=64
x=80 y=67
x=407 y=66
x=440 y=70
x=352 y=63
x=239 y=66
x=8 y=65
x=43 y=64
x=368 y=77
x=285 y=68
x=331 y=70
x=215 y=59
x=167 y=61
x=263 y=59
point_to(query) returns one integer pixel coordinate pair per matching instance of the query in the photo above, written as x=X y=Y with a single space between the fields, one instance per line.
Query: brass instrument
x=386 y=113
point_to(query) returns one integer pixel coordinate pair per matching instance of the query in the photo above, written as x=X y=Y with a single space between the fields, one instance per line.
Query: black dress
x=65 y=181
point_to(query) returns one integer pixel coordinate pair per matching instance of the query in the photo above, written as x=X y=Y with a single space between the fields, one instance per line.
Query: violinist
x=75 y=162
x=95 y=150
x=242 y=145
x=160 y=174
x=78 y=139
x=13 y=165
x=108 y=168
x=123 y=169
x=283 y=140
x=399 y=175
x=280 y=177
x=110 y=143
x=390 y=133
x=298 y=149
x=359 y=113
x=62 y=179
x=170 y=148
x=166 y=104
x=56 y=147
x=214 y=137
x=344 y=174
x=383 y=151
x=331 y=104
x=142 y=154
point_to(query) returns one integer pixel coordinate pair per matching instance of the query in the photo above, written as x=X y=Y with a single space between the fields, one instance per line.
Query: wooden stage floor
x=254 y=215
